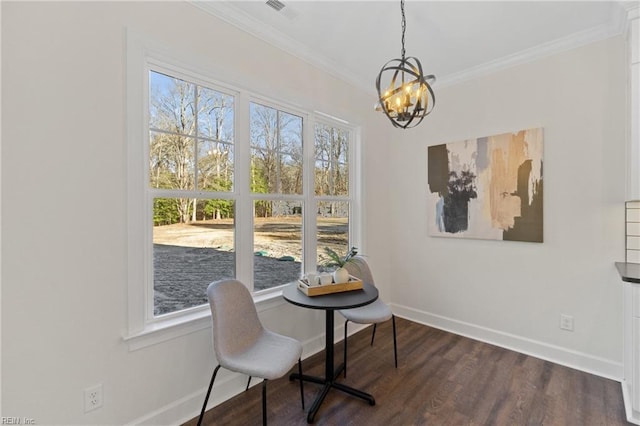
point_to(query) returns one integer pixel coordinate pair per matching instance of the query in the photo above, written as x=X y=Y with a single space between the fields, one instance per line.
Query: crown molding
x=245 y=22
x=560 y=45
x=632 y=9
x=264 y=32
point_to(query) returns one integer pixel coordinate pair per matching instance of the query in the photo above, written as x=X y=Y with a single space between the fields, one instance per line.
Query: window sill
x=182 y=325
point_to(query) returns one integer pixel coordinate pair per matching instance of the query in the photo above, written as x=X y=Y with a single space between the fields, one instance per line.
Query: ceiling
x=455 y=40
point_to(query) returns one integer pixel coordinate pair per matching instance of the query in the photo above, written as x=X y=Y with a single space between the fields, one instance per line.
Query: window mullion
x=309 y=230
x=278 y=154
x=242 y=188
x=196 y=133
x=355 y=190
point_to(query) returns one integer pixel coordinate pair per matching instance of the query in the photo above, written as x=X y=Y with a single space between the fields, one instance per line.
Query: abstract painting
x=488 y=188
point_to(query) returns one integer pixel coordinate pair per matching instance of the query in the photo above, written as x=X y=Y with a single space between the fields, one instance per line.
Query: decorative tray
x=320 y=289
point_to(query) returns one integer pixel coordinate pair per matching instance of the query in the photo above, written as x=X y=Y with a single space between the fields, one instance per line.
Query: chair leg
x=206 y=399
x=301 y=381
x=248 y=383
x=345 y=349
x=395 y=347
x=373 y=335
x=264 y=402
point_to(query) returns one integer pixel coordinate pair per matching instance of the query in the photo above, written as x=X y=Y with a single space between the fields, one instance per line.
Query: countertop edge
x=629 y=272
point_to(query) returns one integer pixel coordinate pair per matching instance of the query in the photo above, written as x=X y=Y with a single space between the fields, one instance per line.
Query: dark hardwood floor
x=441 y=379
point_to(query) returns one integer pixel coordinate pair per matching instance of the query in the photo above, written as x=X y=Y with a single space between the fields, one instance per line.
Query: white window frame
x=253 y=197
x=354 y=187
x=143 y=55
x=152 y=64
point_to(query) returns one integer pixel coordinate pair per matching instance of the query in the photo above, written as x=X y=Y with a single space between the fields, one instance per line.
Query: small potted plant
x=340 y=275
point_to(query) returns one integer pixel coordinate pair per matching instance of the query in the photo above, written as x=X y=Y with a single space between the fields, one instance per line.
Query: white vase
x=340 y=275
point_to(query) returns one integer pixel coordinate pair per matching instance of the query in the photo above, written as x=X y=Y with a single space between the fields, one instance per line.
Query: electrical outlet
x=566 y=322
x=92 y=398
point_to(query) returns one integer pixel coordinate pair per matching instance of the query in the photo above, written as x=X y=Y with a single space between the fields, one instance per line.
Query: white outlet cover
x=566 y=322
x=92 y=398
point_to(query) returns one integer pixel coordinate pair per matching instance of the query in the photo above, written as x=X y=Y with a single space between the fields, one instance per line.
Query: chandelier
x=408 y=97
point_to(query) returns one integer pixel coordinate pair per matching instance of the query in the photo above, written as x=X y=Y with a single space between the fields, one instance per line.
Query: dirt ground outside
x=187 y=257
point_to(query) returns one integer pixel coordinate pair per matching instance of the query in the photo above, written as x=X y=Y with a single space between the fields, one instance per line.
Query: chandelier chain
x=404 y=26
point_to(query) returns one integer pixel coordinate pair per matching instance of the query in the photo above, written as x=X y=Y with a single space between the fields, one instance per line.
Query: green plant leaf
x=334 y=259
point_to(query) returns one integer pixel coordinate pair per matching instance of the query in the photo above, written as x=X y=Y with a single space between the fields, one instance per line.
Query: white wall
x=64 y=239
x=513 y=293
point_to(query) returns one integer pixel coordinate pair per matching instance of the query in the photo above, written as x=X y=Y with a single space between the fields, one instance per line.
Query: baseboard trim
x=556 y=354
x=632 y=416
x=186 y=408
x=227 y=385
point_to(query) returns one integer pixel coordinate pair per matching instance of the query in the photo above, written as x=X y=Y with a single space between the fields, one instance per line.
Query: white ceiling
x=454 y=40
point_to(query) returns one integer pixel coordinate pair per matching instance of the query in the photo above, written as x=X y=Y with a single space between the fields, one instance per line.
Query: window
x=276 y=184
x=224 y=184
x=191 y=146
x=331 y=184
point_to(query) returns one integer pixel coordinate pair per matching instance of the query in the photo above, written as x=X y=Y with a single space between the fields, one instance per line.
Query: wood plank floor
x=441 y=379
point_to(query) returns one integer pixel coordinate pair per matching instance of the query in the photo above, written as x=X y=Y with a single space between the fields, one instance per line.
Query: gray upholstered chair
x=374 y=313
x=243 y=345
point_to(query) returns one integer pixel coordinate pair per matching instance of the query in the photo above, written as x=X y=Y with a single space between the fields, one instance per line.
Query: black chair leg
x=301 y=381
x=395 y=348
x=248 y=383
x=206 y=399
x=264 y=402
x=345 y=349
x=373 y=335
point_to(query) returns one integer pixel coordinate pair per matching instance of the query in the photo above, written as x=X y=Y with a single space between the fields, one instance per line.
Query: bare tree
x=276 y=155
x=331 y=162
x=176 y=108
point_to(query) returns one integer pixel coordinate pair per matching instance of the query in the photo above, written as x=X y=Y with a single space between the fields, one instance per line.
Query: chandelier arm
x=393 y=80
x=407 y=124
x=433 y=99
x=417 y=67
x=390 y=117
x=399 y=69
x=398 y=89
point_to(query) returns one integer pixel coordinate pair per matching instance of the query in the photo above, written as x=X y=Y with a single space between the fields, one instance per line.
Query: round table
x=330 y=303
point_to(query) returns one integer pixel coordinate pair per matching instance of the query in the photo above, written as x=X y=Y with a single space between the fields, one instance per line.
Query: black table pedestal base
x=330 y=303
x=330 y=375
x=329 y=383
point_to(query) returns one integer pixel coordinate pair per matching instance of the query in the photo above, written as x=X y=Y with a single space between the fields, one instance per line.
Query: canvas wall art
x=488 y=188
